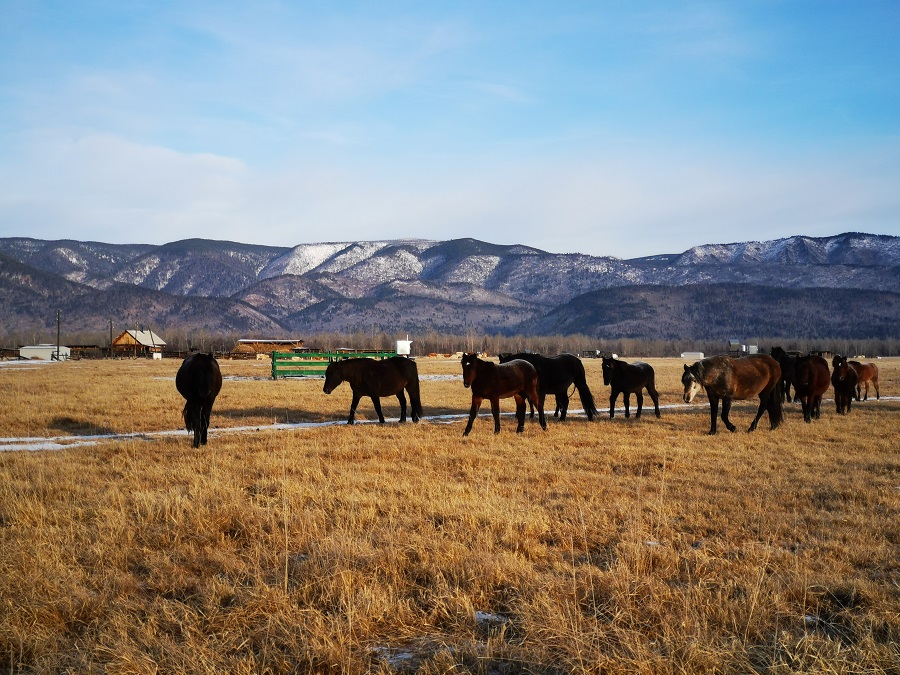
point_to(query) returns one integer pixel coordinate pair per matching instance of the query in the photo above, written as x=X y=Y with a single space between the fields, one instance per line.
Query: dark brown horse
x=488 y=380
x=629 y=378
x=555 y=375
x=865 y=373
x=787 y=363
x=725 y=378
x=199 y=381
x=376 y=378
x=811 y=379
x=844 y=381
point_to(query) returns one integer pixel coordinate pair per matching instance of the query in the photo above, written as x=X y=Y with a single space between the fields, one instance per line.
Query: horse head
x=607 y=366
x=469 y=368
x=692 y=379
x=334 y=375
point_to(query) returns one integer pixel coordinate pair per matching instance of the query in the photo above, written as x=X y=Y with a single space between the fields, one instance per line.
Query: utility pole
x=57 y=335
x=110 y=339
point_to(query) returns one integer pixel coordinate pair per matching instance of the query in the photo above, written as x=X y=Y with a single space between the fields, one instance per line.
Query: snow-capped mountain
x=456 y=285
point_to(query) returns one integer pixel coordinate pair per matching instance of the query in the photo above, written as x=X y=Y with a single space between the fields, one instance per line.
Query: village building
x=138 y=343
x=257 y=347
x=44 y=352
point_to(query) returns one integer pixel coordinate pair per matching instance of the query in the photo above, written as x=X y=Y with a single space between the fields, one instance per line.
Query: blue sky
x=609 y=128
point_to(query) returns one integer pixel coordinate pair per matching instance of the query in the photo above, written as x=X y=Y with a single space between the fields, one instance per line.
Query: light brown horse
x=843 y=380
x=811 y=380
x=488 y=380
x=865 y=373
x=727 y=379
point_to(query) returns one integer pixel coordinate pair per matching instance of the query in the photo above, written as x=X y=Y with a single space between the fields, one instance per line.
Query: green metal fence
x=313 y=364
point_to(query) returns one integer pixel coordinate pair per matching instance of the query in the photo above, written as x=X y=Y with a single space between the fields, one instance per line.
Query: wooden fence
x=314 y=364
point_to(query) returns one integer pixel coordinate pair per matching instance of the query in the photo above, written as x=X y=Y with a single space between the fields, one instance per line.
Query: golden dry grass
x=623 y=545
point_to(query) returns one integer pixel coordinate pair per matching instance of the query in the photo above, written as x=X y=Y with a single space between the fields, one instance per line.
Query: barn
x=138 y=343
x=251 y=347
x=44 y=352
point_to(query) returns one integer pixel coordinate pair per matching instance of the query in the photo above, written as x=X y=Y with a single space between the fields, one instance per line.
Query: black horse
x=629 y=378
x=555 y=375
x=199 y=381
x=374 y=378
x=788 y=363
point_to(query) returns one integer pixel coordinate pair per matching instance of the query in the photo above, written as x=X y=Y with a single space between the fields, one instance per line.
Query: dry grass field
x=612 y=546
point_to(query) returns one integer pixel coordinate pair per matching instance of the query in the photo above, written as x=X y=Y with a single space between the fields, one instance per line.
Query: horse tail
x=587 y=399
x=186 y=415
x=775 y=407
x=412 y=388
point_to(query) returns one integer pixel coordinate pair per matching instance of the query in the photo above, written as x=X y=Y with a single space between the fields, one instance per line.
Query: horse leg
x=520 y=413
x=806 y=405
x=763 y=405
x=531 y=409
x=726 y=410
x=541 y=417
x=859 y=391
x=875 y=384
x=654 y=395
x=640 y=401
x=402 y=398
x=495 y=411
x=205 y=410
x=562 y=406
x=612 y=403
x=414 y=403
x=713 y=413
x=353 y=404
x=377 y=403
x=473 y=412
x=818 y=405
x=625 y=396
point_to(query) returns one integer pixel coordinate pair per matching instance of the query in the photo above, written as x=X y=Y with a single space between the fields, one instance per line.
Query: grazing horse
x=787 y=363
x=516 y=378
x=629 y=378
x=199 y=381
x=811 y=379
x=865 y=372
x=555 y=375
x=376 y=378
x=844 y=380
x=725 y=378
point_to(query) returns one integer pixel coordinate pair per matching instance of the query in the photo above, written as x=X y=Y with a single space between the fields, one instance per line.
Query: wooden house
x=138 y=343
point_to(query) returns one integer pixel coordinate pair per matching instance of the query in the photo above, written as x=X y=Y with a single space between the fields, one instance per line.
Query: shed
x=692 y=356
x=251 y=346
x=141 y=342
x=44 y=352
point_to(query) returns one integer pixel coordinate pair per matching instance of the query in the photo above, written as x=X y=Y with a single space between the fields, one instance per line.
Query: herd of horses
x=530 y=378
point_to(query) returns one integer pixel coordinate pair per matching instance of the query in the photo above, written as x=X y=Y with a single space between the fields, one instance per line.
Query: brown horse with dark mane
x=199 y=381
x=727 y=379
x=517 y=379
x=629 y=378
x=811 y=380
x=376 y=378
x=555 y=375
x=865 y=373
x=844 y=381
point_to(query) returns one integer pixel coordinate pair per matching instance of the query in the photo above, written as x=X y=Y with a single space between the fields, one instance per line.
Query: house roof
x=146 y=338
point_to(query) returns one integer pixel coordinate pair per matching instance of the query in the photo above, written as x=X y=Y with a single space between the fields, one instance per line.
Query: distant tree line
x=473 y=341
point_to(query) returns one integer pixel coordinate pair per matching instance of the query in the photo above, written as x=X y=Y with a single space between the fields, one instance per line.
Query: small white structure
x=44 y=352
x=692 y=356
x=403 y=346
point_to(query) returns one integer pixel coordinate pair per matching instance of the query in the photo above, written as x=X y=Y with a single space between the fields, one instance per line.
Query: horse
x=865 y=372
x=725 y=378
x=629 y=378
x=555 y=375
x=517 y=378
x=787 y=363
x=199 y=381
x=376 y=378
x=844 y=380
x=811 y=379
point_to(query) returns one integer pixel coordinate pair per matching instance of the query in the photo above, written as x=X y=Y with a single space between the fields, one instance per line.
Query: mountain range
x=844 y=286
